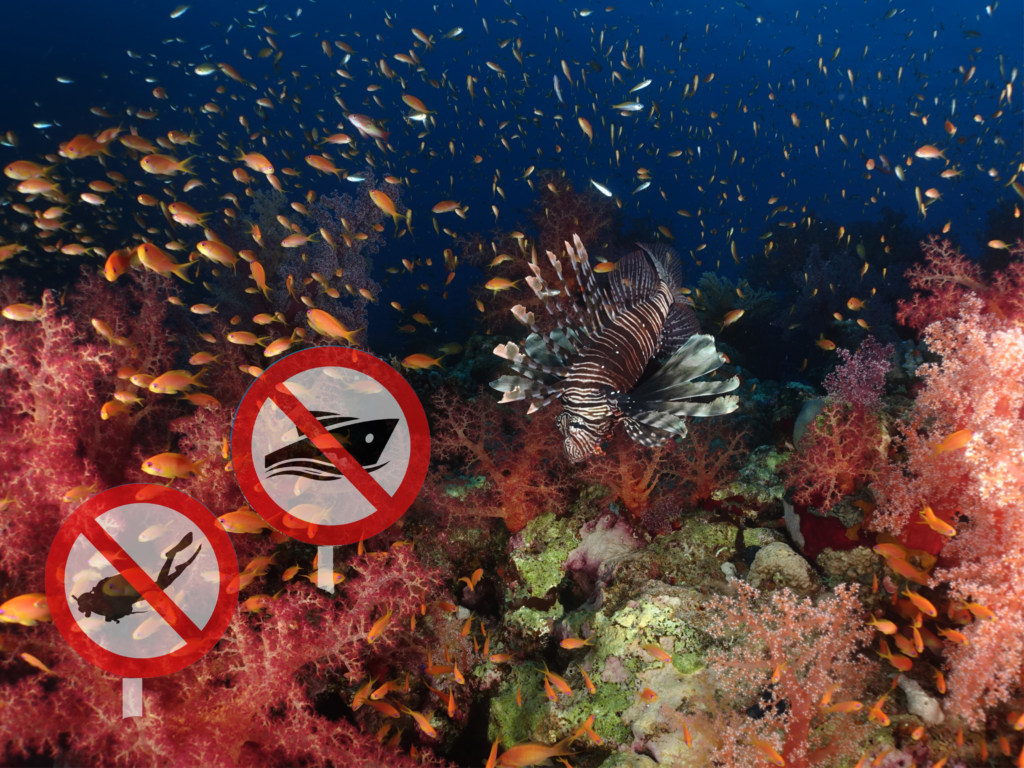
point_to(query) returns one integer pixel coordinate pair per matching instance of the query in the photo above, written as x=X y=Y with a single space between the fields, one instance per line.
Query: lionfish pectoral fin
x=646 y=435
x=717 y=407
x=697 y=357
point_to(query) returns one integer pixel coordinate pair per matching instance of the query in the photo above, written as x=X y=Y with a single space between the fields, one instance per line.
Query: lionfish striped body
x=594 y=358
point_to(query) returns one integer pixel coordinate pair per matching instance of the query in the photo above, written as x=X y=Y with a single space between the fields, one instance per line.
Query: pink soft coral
x=251 y=700
x=975 y=387
x=815 y=649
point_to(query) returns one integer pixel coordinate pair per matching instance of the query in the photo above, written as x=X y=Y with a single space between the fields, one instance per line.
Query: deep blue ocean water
x=764 y=58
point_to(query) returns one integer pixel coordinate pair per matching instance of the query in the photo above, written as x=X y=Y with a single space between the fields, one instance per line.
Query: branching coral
x=802 y=642
x=519 y=458
x=975 y=387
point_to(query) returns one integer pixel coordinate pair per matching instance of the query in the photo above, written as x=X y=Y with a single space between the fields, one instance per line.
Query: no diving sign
x=330 y=446
x=137 y=581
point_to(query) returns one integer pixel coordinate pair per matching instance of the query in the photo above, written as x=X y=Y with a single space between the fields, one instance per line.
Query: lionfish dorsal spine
x=529 y=320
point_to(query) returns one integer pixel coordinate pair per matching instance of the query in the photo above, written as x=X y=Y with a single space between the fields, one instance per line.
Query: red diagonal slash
x=141 y=582
x=331 y=448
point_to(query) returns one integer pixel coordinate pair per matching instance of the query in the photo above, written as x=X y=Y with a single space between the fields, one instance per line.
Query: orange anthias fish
x=420 y=362
x=500 y=284
x=658 y=652
x=387 y=205
x=953 y=442
x=242 y=520
x=844 y=706
x=171 y=466
x=30 y=659
x=163 y=165
x=328 y=325
x=941 y=527
x=363 y=694
x=423 y=721
x=25 y=609
x=378 y=628
x=173 y=382
x=922 y=604
x=572 y=643
x=256 y=161
x=587 y=681
x=907 y=571
x=876 y=714
x=532 y=752
x=884 y=626
x=765 y=748
x=731 y=317
x=901 y=662
x=153 y=258
x=557 y=681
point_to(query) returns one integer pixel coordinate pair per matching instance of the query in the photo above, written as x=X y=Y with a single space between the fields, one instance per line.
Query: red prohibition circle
x=199 y=640
x=388 y=508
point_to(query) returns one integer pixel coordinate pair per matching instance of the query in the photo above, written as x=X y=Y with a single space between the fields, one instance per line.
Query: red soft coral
x=694 y=465
x=252 y=699
x=840 y=447
x=50 y=376
x=947 y=277
x=519 y=459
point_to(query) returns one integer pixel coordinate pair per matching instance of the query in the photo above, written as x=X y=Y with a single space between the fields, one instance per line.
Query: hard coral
x=604 y=543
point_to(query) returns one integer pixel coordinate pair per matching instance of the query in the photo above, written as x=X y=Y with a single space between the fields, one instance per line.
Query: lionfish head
x=580 y=441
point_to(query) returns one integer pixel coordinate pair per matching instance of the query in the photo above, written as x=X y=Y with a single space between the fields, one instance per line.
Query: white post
x=131 y=697
x=325 y=569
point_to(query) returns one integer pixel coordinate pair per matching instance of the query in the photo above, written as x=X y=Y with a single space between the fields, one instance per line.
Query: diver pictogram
x=114 y=597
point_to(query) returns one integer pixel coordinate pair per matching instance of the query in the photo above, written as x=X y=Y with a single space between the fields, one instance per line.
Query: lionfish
x=602 y=346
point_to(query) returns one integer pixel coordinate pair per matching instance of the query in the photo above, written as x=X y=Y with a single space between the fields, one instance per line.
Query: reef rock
x=604 y=544
x=757 y=485
x=920 y=703
x=850 y=564
x=779 y=565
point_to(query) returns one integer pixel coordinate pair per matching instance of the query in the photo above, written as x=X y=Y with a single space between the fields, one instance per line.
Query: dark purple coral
x=604 y=543
x=315 y=267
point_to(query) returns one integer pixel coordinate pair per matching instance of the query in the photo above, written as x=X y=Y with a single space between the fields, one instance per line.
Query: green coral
x=547 y=541
x=533 y=623
x=513 y=722
x=463 y=489
x=758 y=483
